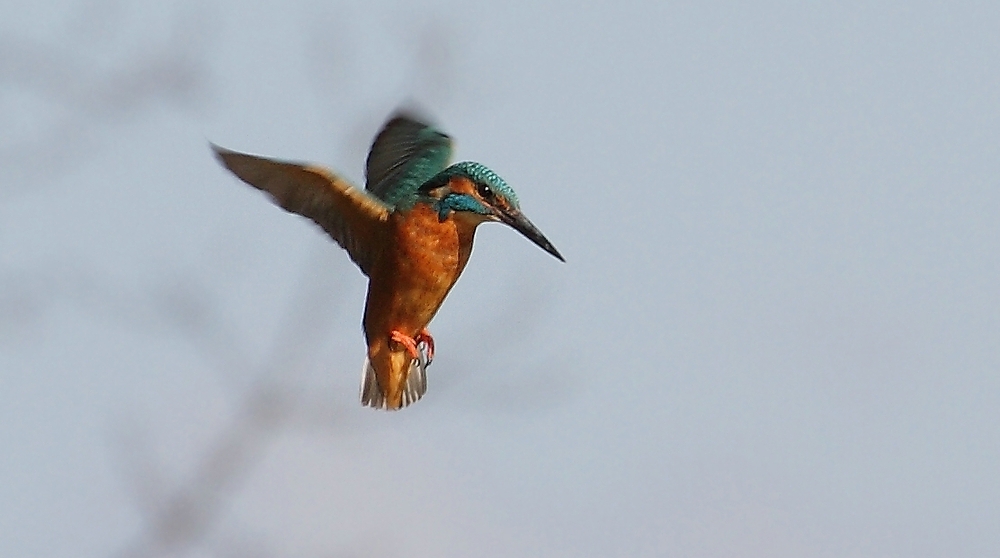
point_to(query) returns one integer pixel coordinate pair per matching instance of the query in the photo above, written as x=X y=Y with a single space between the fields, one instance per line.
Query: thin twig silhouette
x=81 y=96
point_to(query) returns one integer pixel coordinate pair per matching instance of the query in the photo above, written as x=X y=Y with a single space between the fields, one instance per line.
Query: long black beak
x=521 y=224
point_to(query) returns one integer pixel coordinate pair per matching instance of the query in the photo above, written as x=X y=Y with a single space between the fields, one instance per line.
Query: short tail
x=416 y=385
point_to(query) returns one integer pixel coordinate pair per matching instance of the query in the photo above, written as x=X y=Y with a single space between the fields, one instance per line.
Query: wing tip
x=413 y=111
x=221 y=153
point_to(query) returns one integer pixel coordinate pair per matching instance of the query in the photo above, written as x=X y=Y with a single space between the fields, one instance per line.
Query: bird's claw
x=425 y=338
x=412 y=344
x=407 y=342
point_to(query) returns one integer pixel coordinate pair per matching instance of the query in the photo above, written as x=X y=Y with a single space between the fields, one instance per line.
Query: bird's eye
x=484 y=191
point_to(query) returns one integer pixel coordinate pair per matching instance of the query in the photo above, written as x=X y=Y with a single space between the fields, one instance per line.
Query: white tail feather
x=416 y=384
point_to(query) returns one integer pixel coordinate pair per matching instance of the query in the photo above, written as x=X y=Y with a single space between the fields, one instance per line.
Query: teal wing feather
x=405 y=154
x=352 y=217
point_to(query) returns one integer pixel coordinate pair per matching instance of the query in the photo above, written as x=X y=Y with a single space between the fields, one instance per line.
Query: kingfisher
x=410 y=231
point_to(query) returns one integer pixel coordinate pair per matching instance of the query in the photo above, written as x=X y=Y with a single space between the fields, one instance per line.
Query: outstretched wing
x=349 y=215
x=405 y=154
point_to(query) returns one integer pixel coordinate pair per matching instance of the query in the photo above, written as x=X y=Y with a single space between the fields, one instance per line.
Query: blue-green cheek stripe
x=460 y=202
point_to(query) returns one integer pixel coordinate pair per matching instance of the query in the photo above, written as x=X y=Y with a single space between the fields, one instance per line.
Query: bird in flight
x=410 y=231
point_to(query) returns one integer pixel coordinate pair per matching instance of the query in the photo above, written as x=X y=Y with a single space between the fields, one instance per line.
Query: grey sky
x=776 y=333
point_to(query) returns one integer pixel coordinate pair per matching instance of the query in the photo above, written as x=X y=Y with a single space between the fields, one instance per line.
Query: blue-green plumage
x=481 y=174
x=404 y=156
x=459 y=202
x=410 y=232
x=409 y=158
x=487 y=181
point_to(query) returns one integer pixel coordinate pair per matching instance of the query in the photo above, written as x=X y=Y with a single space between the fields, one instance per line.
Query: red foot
x=425 y=337
x=407 y=342
x=410 y=343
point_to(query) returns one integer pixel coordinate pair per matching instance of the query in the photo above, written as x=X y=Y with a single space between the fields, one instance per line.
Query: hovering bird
x=410 y=231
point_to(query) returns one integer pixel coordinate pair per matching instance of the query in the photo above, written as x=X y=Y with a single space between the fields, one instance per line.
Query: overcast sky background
x=776 y=333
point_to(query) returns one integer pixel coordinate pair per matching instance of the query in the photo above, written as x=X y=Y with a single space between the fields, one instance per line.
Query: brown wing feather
x=355 y=219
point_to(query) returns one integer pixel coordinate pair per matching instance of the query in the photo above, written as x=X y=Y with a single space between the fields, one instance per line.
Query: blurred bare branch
x=182 y=519
x=70 y=95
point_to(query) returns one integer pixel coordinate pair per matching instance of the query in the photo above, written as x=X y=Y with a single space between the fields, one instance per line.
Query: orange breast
x=407 y=285
x=417 y=271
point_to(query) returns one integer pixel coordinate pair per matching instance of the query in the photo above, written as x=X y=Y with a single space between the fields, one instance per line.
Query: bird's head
x=469 y=190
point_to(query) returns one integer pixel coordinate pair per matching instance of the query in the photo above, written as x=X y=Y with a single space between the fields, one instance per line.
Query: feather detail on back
x=352 y=217
x=416 y=384
x=405 y=154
